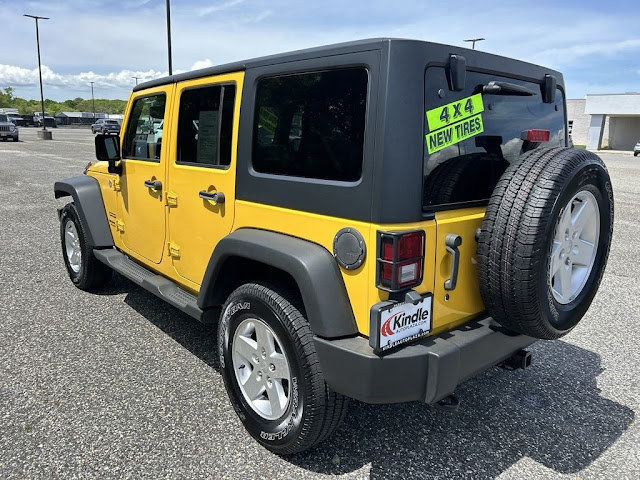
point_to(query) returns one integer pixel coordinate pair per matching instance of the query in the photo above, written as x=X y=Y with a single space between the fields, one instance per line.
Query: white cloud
x=572 y=53
x=201 y=64
x=19 y=76
x=201 y=12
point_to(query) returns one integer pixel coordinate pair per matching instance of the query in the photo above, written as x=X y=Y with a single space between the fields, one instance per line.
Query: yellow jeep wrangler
x=377 y=220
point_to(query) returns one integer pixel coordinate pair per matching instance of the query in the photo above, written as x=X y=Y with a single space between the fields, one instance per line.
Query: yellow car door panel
x=141 y=204
x=202 y=170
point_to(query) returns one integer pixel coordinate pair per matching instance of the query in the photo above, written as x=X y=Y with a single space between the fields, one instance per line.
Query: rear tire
x=308 y=411
x=84 y=270
x=545 y=240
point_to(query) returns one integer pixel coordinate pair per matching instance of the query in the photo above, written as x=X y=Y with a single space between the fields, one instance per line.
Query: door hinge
x=172 y=199
x=116 y=184
x=120 y=226
x=174 y=250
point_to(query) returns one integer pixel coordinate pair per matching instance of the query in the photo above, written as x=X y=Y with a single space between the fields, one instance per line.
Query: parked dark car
x=636 y=149
x=104 y=125
x=49 y=121
x=27 y=120
x=16 y=120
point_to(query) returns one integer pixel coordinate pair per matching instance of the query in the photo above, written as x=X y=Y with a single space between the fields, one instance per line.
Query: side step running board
x=154 y=283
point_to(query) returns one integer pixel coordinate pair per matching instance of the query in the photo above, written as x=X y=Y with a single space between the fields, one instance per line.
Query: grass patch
x=579 y=146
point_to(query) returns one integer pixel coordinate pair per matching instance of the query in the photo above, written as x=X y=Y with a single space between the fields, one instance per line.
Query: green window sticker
x=454 y=133
x=454 y=112
x=454 y=122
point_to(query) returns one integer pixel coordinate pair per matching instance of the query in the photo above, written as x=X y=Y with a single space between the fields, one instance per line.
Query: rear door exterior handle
x=452 y=242
x=153 y=184
x=215 y=197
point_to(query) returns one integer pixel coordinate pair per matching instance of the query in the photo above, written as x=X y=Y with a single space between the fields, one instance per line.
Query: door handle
x=452 y=242
x=215 y=197
x=153 y=184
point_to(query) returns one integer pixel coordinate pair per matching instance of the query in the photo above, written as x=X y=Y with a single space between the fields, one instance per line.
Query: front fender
x=87 y=198
x=312 y=267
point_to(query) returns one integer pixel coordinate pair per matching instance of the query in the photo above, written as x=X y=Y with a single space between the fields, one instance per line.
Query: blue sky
x=596 y=44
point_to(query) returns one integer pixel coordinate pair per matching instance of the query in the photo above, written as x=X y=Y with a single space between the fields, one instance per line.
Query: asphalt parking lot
x=120 y=385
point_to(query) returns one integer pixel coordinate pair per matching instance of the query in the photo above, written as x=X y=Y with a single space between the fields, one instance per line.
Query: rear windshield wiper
x=504 y=88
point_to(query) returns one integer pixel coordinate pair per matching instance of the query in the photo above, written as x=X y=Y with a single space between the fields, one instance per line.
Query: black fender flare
x=311 y=266
x=87 y=198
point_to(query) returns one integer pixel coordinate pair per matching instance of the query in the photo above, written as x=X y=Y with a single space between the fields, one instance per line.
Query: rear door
x=202 y=170
x=470 y=139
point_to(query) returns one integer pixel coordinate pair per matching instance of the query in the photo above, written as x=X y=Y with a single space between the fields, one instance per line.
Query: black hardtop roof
x=338 y=49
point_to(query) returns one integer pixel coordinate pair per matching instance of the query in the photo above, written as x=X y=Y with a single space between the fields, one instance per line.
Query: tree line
x=9 y=100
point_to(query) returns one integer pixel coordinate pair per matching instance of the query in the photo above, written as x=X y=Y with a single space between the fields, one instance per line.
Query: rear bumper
x=426 y=371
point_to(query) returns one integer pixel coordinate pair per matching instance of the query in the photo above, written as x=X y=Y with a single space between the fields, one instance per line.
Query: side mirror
x=108 y=148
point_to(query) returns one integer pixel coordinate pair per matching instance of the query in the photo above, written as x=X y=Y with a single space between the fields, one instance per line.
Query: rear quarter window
x=467 y=172
x=311 y=125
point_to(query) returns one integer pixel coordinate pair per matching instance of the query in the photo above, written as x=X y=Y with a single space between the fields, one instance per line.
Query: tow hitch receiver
x=520 y=359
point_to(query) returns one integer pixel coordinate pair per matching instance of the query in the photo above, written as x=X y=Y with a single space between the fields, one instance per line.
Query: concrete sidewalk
x=615 y=152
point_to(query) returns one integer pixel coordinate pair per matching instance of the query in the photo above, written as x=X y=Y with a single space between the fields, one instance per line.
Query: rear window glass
x=311 y=125
x=492 y=130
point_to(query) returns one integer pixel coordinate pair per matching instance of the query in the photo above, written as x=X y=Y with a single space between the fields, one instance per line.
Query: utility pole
x=136 y=79
x=169 y=33
x=44 y=134
x=93 y=103
x=474 y=40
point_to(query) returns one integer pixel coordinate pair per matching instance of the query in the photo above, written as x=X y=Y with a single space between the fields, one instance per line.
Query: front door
x=143 y=180
x=202 y=170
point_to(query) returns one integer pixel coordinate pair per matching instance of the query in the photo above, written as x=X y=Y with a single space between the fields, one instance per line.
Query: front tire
x=84 y=270
x=271 y=370
x=545 y=241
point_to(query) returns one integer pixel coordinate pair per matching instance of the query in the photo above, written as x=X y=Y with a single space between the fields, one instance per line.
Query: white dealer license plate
x=400 y=323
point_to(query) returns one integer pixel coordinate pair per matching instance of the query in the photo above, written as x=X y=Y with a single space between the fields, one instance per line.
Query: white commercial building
x=605 y=120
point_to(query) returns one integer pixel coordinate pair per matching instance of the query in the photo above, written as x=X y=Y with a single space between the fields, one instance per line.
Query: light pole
x=136 y=79
x=93 y=103
x=474 y=40
x=169 y=33
x=44 y=134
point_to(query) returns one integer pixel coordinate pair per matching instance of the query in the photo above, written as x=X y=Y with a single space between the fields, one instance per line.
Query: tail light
x=400 y=260
x=535 y=136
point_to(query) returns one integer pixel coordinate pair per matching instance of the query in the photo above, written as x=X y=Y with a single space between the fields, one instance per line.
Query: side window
x=311 y=125
x=143 y=137
x=205 y=126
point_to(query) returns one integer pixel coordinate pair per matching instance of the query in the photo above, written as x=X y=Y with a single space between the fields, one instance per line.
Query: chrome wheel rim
x=72 y=246
x=575 y=244
x=261 y=368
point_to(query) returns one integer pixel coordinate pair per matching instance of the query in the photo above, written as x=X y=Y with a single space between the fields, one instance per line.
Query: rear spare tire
x=545 y=240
